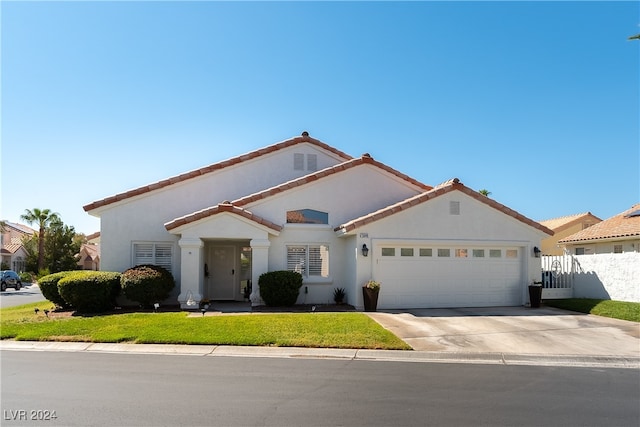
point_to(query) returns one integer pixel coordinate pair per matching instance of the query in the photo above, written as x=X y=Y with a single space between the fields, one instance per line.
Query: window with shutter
x=160 y=254
x=309 y=260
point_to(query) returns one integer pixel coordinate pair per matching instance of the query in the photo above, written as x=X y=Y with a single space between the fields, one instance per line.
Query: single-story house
x=618 y=234
x=563 y=227
x=89 y=255
x=606 y=257
x=12 y=251
x=340 y=221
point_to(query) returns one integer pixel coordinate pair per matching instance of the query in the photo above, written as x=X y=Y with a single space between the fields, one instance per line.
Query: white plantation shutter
x=142 y=253
x=163 y=256
x=296 y=258
x=160 y=254
x=311 y=260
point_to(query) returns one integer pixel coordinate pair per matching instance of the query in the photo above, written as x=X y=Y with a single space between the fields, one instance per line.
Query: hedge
x=90 y=291
x=49 y=287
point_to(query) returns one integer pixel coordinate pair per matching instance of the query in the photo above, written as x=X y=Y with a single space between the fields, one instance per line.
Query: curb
x=507 y=359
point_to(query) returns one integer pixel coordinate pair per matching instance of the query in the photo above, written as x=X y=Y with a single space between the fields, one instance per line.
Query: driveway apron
x=545 y=330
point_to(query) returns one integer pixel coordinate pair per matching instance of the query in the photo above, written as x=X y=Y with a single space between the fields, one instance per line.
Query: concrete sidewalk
x=495 y=335
x=330 y=354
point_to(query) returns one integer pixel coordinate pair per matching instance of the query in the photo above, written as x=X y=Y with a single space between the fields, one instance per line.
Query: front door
x=222 y=272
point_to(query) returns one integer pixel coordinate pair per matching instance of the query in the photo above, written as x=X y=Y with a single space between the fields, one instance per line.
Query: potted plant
x=370 y=292
x=339 y=295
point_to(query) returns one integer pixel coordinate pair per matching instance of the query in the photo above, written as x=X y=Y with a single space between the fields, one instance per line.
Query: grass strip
x=323 y=330
x=616 y=309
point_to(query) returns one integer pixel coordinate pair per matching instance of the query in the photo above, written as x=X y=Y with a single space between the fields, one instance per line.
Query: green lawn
x=328 y=330
x=607 y=308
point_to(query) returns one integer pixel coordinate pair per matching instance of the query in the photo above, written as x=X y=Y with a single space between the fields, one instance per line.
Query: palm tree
x=484 y=192
x=43 y=218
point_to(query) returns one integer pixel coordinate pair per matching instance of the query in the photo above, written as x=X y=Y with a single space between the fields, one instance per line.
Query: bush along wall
x=147 y=284
x=280 y=288
x=49 y=287
x=90 y=291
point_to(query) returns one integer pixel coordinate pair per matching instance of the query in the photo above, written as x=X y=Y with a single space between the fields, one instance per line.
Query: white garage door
x=431 y=276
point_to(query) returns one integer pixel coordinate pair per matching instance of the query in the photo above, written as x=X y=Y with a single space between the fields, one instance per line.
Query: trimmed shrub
x=49 y=287
x=26 y=277
x=280 y=288
x=90 y=291
x=147 y=284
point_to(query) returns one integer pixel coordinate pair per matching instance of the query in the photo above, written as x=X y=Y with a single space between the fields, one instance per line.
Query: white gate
x=558 y=273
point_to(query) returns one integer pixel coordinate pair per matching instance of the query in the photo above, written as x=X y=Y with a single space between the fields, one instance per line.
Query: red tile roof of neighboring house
x=92 y=251
x=11 y=248
x=93 y=235
x=365 y=159
x=565 y=221
x=619 y=226
x=220 y=208
x=445 y=187
x=305 y=138
x=20 y=228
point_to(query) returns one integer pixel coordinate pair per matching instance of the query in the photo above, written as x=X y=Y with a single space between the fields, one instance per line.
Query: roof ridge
x=568 y=216
x=304 y=138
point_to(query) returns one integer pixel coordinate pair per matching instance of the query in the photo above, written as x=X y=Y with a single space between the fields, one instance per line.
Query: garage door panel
x=415 y=282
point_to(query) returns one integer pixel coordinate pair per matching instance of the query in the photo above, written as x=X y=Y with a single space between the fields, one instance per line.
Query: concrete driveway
x=544 y=330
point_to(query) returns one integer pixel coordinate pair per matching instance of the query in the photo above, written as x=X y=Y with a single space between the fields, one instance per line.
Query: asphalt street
x=102 y=389
x=27 y=294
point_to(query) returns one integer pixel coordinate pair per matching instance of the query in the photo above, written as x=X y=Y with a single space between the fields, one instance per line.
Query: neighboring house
x=563 y=227
x=305 y=206
x=14 y=255
x=607 y=258
x=89 y=256
x=618 y=234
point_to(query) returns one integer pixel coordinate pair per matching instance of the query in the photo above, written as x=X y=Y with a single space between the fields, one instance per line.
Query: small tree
x=43 y=218
x=280 y=288
x=60 y=247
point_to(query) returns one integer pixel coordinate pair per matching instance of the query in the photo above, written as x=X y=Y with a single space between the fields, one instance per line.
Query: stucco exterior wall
x=608 y=276
x=142 y=218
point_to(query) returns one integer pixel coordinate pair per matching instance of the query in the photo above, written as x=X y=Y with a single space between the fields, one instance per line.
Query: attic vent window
x=454 y=208
x=307 y=216
x=298 y=161
x=312 y=162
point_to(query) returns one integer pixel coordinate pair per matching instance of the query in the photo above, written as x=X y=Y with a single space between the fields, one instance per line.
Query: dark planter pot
x=370 y=299
x=535 y=295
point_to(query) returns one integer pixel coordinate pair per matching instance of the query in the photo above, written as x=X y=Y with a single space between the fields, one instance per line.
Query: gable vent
x=298 y=161
x=454 y=208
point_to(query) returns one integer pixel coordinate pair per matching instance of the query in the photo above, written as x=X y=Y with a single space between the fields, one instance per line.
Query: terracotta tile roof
x=220 y=208
x=445 y=187
x=619 y=226
x=566 y=221
x=91 y=250
x=11 y=248
x=93 y=235
x=304 y=138
x=20 y=228
x=365 y=159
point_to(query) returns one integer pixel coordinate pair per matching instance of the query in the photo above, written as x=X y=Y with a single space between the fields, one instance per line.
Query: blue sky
x=538 y=102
